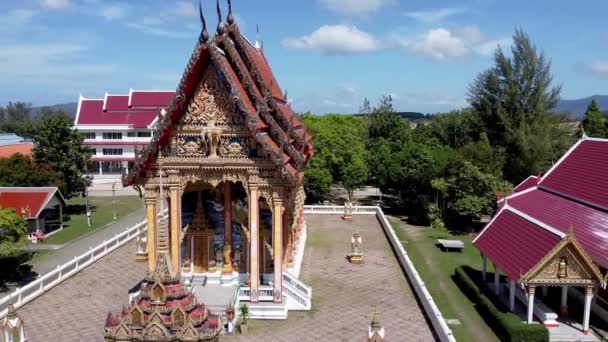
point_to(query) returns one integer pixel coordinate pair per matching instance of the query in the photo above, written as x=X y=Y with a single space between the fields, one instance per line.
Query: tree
x=514 y=101
x=60 y=147
x=595 y=122
x=318 y=179
x=16 y=118
x=13 y=230
x=18 y=170
x=354 y=175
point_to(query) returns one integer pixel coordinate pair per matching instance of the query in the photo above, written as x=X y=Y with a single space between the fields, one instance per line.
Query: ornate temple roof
x=164 y=311
x=245 y=71
x=542 y=210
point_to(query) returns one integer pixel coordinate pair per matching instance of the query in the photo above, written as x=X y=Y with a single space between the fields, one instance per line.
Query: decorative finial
x=205 y=34
x=584 y=135
x=230 y=17
x=257 y=36
x=220 y=26
x=571 y=230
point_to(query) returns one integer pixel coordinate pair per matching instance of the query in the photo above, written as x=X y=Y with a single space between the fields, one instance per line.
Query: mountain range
x=574 y=108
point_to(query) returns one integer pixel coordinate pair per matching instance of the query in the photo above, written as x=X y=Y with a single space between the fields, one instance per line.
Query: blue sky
x=328 y=54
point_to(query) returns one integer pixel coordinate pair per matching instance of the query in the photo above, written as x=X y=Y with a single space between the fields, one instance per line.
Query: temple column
x=175 y=229
x=531 y=290
x=277 y=245
x=254 y=233
x=564 y=302
x=587 y=312
x=511 y=295
x=150 y=202
x=484 y=267
x=496 y=280
x=228 y=213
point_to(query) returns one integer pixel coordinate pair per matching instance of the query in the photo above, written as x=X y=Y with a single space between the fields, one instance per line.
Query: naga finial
x=205 y=34
x=220 y=26
x=230 y=18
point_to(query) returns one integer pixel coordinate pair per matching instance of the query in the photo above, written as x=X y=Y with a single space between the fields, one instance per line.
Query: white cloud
x=159 y=31
x=185 y=9
x=444 y=44
x=114 y=12
x=355 y=7
x=336 y=40
x=599 y=67
x=55 y=4
x=434 y=16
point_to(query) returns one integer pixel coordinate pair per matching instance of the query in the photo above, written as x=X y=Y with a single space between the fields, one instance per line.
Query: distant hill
x=68 y=108
x=576 y=108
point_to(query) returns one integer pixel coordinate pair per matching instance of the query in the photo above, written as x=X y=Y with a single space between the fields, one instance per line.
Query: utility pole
x=114 y=199
x=86 y=201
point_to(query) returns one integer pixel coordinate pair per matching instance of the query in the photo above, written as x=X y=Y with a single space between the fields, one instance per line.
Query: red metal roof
x=515 y=244
x=6 y=151
x=22 y=198
x=526 y=184
x=137 y=109
x=582 y=173
x=590 y=224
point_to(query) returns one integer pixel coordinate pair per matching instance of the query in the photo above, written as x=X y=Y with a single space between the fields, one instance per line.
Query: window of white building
x=89 y=135
x=112 y=151
x=112 y=136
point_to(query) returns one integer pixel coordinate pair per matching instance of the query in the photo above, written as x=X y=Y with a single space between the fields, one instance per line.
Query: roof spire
x=230 y=18
x=257 y=36
x=220 y=26
x=204 y=34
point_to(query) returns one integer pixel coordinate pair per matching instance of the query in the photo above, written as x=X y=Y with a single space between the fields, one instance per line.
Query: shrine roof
x=581 y=173
x=526 y=183
x=247 y=73
x=34 y=198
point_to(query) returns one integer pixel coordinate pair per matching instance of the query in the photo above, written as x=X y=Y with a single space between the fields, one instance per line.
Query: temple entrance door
x=201 y=255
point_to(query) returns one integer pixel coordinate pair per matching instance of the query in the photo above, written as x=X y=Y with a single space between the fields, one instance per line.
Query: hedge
x=507 y=326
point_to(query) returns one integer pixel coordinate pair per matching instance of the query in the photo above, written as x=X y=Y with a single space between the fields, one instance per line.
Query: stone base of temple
x=141 y=257
x=214 y=278
x=230 y=279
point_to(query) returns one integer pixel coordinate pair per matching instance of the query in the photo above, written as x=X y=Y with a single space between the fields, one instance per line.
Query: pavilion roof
x=247 y=74
x=28 y=202
x=535 y=218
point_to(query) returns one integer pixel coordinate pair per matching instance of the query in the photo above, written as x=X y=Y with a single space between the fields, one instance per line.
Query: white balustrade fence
x=441 y=327
x=31 y=291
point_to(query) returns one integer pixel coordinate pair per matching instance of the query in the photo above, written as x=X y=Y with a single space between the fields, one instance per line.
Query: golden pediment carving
x=563 y=268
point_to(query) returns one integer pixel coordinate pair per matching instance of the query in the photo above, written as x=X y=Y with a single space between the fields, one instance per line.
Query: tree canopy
x=595 y=122
x=22 y=171
x=13 y=230
x=60 y=147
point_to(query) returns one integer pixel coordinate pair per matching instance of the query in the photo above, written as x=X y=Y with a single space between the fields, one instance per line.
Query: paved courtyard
x=76 y=309
x=344 y=295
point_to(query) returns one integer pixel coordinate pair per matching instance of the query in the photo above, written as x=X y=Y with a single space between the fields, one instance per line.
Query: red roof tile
x=6 y=151
x=581 y=173
x=150 y=98
x=515 y=244
x=91 y=113
x=116 y=102
x=265 y=72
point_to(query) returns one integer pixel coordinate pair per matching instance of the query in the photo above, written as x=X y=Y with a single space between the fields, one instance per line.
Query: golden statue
x=227 y=259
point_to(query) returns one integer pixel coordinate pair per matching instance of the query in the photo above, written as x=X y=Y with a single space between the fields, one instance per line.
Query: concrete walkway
x=52 y=259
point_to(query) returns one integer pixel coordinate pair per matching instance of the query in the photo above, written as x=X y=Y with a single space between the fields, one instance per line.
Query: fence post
x=76 y=261
x=60 y=273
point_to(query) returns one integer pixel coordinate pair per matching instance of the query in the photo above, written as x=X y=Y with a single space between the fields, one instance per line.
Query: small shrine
x=12 y=327
x=164 y=311
x=376 y=331
x=356 y=256
x=348 y=211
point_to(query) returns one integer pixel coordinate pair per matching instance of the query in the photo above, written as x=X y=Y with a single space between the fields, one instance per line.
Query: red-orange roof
x=6 y=151
x=28 y=202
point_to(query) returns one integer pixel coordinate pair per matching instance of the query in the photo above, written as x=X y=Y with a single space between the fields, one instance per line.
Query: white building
x=117 y=127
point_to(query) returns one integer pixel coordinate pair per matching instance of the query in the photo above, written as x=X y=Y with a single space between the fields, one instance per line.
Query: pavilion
x=553 y=232
x=41 y=207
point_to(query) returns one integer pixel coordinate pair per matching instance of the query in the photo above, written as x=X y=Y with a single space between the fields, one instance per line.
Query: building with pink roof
x=117 y=127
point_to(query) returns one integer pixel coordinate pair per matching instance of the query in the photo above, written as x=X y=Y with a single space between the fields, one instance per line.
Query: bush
x=507 y=326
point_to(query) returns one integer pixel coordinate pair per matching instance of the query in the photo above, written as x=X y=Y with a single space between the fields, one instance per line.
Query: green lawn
x=436 y=269
x=75 y=224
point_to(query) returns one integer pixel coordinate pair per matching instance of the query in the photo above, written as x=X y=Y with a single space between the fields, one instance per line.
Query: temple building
x=227 y=161
x=117 y=128
x=551 y=235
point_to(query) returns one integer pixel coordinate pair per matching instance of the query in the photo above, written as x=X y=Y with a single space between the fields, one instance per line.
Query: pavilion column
x=60 y=216
x=228 y=213
x=277 y=244
x=100 y=168
x=484 y=267
x=587 y=312
x=496 y=280
x=564 y=302
x=175 y=230
x=511 y=295
x=150 y=202
x=545 y=291
x=531 y=290
x=254 y=234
